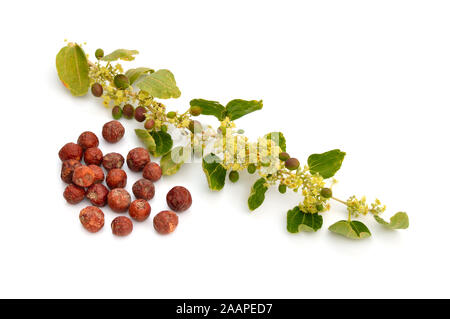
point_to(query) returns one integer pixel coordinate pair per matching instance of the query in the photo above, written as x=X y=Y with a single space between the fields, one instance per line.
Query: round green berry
x=283 y=156
x=319 y=207
x=116 y=112
x=121 y=81
x=97 y=89
x=292 y=163
x=282 y=188
x=234 y=176
x=195 y=110
x=99 y=54
x=128 y=111
x=326 y=192
x=171 y=114
x=164 y=128
x=251 y=168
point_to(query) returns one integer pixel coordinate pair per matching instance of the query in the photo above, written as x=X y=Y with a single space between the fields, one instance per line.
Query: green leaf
x=210 y=108
x=298 y=221
x=122 y=54
x=326 y=164
x=257 y=194
x=160 y=84
x=350 y=229
x=173 y=160
x=214 y=171
x=134 y=74
x=278 y=138
x=163 y=143
x=398 y=221
x=147 y=139
x=238 y=108
x=73 y=69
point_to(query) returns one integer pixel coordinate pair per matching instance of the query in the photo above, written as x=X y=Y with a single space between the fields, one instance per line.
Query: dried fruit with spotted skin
x=83 y=176
x=93 y=155
x=92 y=218
x=116 y=178
x=179 y=199
x=74 y=194
x=152 y=171
x=87 y=140
x=137 y=158
x=67 y=170
x=144 y=189
x=121 y=226
x=71 y=151
x=112 y=160
x=113 y=131
x=99 y=176
x=119 y=200
x=98 y=195
x=139 y=210
x=165 y=222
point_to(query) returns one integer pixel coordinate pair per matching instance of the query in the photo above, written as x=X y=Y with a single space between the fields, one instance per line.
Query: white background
x=369 y=77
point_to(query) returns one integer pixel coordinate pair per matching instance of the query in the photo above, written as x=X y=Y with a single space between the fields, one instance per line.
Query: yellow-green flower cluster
x=357 y=206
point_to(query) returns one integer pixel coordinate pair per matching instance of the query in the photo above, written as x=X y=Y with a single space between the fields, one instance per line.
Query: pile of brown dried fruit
x=86 y=180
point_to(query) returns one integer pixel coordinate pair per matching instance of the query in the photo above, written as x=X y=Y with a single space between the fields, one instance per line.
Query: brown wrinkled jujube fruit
x=92 y=218
x=98 y=195
x=152 y=171
x=113 y=131
x=87 y=140
x=113 y=160
x=116 y=178
x=119 y=200
x=144 y=189
x=74 y=194
x=83 y=176
x=139 y=210
x=179 y=199
x=67 y=169
x=121 y=226
x=137 y=158
x=165 y=222
x=93 y=156
x=99 y=176
x=71 y=151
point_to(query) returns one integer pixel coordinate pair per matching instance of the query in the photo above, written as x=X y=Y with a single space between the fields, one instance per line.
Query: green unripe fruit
x=97 y=89
x=128 y=111
x=116 y=112
x=326 y=192
x=149 y=124
x=171 y=114
x=319 y=207
x=292 y=163
x=234 y=176
x=164 y=128
x=99 y=54
x=282 y=188
x=195 y=126
x=121 y=81
x=251 y=168
x=195 y=110
x=283 y=156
